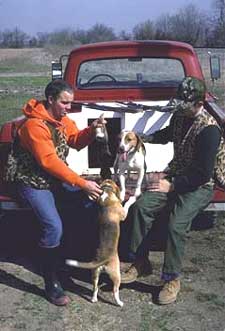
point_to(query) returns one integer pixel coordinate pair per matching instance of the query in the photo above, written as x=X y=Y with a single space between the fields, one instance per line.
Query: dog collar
x=106 y=186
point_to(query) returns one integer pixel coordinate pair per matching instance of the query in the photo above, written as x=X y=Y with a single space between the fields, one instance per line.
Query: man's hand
x=162 y=185
x=92 y=189
x=98 y=123
x=146 y=138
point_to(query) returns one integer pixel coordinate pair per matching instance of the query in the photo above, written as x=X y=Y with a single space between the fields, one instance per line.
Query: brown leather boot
x=54 y=291
x=141 y=267
x=169 y=292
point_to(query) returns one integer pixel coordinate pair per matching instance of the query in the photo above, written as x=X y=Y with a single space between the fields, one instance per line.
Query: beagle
x=111 y=212
x=130 y=156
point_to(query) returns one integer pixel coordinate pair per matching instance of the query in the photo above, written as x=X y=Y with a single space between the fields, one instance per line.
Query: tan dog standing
x=130 y=156
x=111 y=212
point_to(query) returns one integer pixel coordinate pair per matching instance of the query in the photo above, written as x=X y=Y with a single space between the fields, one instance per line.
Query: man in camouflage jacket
x=186 y=189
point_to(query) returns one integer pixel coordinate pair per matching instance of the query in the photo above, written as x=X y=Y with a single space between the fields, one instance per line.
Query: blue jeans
x=46 y=205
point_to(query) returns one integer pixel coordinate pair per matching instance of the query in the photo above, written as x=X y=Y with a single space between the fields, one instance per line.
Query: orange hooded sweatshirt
x=36 y=137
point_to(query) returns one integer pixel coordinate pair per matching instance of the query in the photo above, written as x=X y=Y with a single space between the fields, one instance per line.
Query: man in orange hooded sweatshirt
x=42 y=172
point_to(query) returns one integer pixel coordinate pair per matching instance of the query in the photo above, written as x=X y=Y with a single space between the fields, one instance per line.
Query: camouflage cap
x=191 y=89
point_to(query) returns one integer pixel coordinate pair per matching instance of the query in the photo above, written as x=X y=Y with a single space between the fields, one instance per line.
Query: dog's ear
x=139 y=142
x=100 y=181
x=116 y=189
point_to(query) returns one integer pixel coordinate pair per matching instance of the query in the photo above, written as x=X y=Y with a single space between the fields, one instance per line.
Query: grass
x=10 y=107
x=9 y=66
x=210 y=298
x=23 y=60
x=200 y=259
x=24 y=73
x=24 y=82
x=146 y=318
x=150 y=320
x=16 y=92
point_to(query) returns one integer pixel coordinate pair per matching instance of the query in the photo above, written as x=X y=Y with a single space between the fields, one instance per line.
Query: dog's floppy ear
x=139 y=142
x=116 y=189
x=100 y=181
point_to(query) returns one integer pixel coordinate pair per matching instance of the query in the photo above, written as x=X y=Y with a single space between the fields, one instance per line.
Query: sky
x=33 y=16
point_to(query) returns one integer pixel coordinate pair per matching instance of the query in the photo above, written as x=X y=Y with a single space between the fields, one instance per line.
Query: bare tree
x=42 y=38
x=188 y=25
x=100 y=32
x=80 y=36
x=163 y=27
x=219 y=6
x=123 y=35
x=14 y=38
x=64 y=37
x=144 y=31
x=218 y=24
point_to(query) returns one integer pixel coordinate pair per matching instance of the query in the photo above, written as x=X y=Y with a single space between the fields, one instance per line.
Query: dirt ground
x=199 y=307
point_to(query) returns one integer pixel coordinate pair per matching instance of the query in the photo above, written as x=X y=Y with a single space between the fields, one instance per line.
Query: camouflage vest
x=184 y=147
x=27 y=169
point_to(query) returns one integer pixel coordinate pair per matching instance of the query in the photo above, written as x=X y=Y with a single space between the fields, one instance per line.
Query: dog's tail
x=108 y=242
x=85 y=265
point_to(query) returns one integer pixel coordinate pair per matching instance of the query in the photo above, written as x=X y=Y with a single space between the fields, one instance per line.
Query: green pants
x=180 y=210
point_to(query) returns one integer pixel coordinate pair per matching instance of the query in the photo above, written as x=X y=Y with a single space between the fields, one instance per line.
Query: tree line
x=188 y=24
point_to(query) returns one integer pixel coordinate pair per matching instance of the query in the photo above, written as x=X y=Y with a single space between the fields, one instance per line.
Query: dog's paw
x=128 y=203
x=93 y=300
x=137 y=193
x=120 y=303
x=122 y=195
x=95 y=297
x=117 y=298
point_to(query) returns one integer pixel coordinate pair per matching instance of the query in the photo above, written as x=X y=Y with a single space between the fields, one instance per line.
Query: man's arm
x=162 y=136
x=198 y=173
x=79 y=139
x=202 y=169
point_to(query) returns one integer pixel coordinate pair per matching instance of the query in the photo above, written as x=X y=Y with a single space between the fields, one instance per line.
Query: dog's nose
x=121 y=149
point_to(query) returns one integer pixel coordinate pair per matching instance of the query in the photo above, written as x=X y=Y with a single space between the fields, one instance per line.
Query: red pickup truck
x=130 y=82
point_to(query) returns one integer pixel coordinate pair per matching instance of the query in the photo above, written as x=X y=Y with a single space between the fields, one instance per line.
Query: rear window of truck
x=130 y=73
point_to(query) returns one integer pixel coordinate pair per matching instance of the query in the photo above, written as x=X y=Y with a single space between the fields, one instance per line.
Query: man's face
x=61 y=106
x=193 y=109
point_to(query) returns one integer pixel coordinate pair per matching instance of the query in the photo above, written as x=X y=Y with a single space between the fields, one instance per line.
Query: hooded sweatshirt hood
x=37 y=109
x=36 y=137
